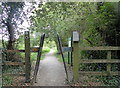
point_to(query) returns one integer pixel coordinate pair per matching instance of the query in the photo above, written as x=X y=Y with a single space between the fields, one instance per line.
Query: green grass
x=44 y=51
x=59 y=56
x=7 y=80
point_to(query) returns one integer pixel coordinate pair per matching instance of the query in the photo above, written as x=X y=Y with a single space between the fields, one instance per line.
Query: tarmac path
x=51 y=72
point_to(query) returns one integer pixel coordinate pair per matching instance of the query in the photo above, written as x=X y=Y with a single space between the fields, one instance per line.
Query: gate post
x=76 y=56
x=27 y=57
x=71 y=56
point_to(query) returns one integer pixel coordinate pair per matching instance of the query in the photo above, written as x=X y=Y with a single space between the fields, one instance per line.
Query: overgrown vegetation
x=98 y=24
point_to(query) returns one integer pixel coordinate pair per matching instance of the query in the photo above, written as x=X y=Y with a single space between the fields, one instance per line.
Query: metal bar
x=60 y=47
x=68 y=57
x=38 y=58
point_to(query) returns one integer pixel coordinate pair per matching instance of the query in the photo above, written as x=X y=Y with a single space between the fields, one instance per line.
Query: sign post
x=76 y=56
x=69 y=45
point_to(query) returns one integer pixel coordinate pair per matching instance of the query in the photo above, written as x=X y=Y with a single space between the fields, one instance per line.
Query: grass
x=59 y=56
x=7 y=80
x=44 y=51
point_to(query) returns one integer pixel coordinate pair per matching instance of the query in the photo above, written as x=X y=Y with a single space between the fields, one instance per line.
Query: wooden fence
x=77 y=60
x=27 y=62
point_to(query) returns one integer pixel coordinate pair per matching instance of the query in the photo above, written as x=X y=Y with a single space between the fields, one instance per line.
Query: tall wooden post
x=75 y=56
x=71 y=54
x=27 y=57
x=109 y=65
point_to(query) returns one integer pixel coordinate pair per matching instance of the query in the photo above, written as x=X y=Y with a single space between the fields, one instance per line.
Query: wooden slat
x=8 y=74
x=100 y=48
x=98 y=73
x=16 y=50
x=108 y=58
x=81 y=48
x=13 y=63
x=99 y=60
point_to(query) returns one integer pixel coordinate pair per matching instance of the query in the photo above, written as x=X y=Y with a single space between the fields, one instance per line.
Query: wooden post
x=71 y=54
x=27 y=57
x=109 y=65
x=75 y=56
x=68 y=57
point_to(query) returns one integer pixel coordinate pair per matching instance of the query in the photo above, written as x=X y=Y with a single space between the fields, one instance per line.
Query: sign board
x=75 y=36
x=66 y=49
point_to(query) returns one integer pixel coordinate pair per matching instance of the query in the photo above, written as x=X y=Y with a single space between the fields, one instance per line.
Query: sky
x=26 y=24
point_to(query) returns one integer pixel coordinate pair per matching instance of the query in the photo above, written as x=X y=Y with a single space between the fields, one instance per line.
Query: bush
x=46 y=50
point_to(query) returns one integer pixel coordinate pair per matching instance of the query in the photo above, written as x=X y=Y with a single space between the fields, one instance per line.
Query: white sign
x=75 y=36
x=69 y=43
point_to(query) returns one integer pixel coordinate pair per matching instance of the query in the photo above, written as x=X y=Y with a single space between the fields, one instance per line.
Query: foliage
x=59 y=57
x=97 y=23
x=34 y=55
x=52 y=18
x=7 y=80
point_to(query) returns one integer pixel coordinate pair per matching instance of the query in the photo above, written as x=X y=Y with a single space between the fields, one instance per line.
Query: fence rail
x=27 y=62
x=14 y=63
x=100 y=48
x=99 y=73
x=10 y=74
x=100 y=61
x=77 y=58
x=16 y=50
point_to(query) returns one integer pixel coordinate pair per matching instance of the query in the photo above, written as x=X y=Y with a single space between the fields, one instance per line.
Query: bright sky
x=25 y=25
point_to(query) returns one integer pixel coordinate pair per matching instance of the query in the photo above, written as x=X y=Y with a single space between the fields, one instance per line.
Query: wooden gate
x=26 y=63
x=77 y=58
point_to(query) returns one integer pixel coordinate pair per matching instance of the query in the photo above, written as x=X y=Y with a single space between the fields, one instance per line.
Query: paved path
x=51 y=72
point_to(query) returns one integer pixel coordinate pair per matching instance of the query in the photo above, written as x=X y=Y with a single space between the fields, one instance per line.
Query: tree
x=11 y=18
x=62 y=18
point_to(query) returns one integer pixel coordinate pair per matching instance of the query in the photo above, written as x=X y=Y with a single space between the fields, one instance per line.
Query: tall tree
x=11 y=18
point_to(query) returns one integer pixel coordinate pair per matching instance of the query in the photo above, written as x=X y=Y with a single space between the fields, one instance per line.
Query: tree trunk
x=11 y=35
x=11 y=41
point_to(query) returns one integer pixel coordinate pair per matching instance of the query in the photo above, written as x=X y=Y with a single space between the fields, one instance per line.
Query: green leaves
x=61 y=17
